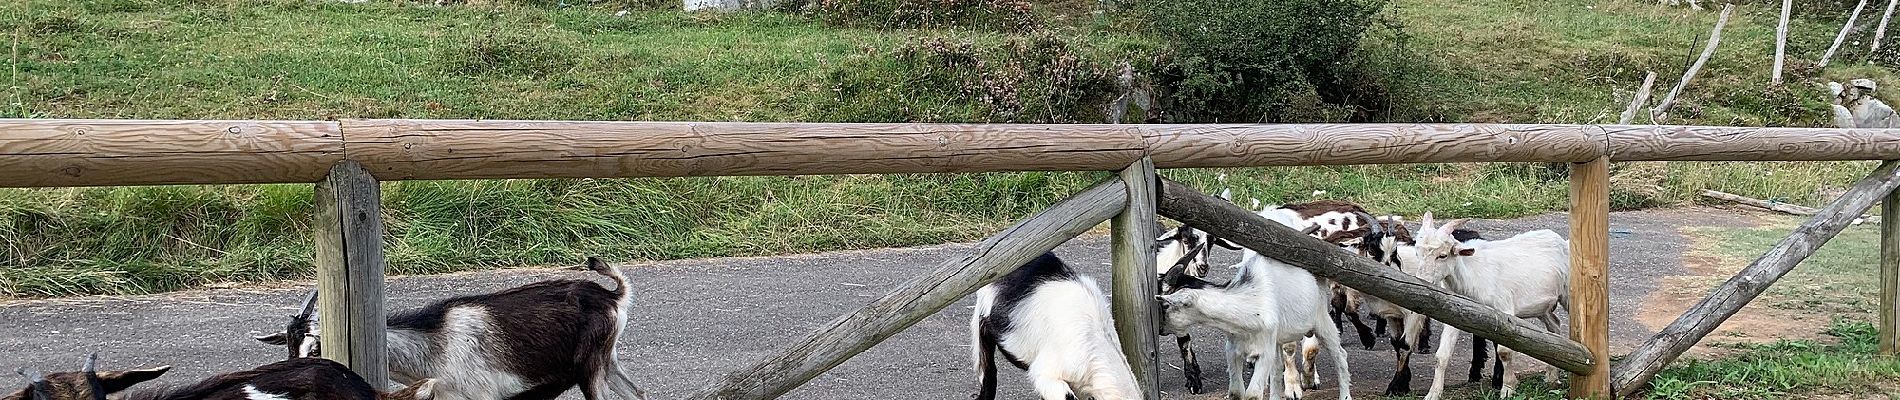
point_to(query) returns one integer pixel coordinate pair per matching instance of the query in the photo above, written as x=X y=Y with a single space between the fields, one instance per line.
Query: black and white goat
x=1527 y=276
x=1053 y=322
x=530 y=342
x=1186 y=249
x=297 y=379
x=1266 y=306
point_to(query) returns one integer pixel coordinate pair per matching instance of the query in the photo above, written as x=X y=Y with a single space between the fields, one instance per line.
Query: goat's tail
x=621 y=286
x=985 y=362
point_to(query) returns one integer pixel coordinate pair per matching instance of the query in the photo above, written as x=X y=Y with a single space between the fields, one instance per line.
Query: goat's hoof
x=1310 y=386
x=1422 y=350
x=1195 y=388
x=1397 y=392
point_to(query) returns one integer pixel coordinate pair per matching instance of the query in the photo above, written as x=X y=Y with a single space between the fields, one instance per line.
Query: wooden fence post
x=1136 y=316
x=1589 y=273
x=349 y=228
x=1890 y=274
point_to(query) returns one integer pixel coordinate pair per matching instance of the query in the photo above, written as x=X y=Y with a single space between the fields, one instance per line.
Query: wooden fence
x=347 y=159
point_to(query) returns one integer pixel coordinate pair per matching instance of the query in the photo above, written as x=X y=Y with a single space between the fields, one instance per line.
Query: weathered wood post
x=349 y=227
x=1589 y=273
x=1136 y=317
x=1890 y=274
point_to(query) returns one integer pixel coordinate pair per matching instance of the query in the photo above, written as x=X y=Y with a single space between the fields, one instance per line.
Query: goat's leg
x=1550 y=324
x=1447 y=341
x=1402 y=357
x=593 y=386
x=1330 y=340
x=1478 y=358
x=1424 y=343
x=1236 y=364
x=1263 y=380
x=1309 y=354
x=1190 y=364
x=1290 y=371
x=623 y=385
x=1505 y=356
x=1049 y=384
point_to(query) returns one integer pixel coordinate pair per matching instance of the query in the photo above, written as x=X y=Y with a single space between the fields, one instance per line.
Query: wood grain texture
x=1723 y=302
x=350 y=269
x=1228 y=221
x=1890 y=277
x=447 y=149
x=853 y=333
x=93 y=152
x=1590 y=274
x=1711 y=143
x=1132 y=247
x=1185 y=146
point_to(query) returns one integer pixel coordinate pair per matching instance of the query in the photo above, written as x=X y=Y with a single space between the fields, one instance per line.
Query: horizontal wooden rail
x=1228 y=221
x=66 y=152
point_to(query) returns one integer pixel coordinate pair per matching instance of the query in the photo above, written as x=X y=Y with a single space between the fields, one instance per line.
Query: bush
x=1247 y=60
x=1005 y=15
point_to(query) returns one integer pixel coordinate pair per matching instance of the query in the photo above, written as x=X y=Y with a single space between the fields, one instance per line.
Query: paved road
x=696 y=319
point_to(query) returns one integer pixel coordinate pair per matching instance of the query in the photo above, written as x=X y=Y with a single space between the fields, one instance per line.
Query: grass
x=1569 y=61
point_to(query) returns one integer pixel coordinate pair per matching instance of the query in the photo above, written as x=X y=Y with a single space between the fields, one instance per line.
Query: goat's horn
x=1372 y=222
x=309 y=305
x=92 y=362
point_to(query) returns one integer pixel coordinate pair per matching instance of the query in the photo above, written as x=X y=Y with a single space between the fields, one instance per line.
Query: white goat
x=1053 y=322
x=1268 y=304
x=1527 y=275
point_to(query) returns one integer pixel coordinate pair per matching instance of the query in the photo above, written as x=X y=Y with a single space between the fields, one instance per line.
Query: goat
x=530 y=342
x=297 y=379
x=1527 y=276
x=1268 y=304
x=1189 y=248
x=1381 y=246
x=1341 y=223
x=1053 y=322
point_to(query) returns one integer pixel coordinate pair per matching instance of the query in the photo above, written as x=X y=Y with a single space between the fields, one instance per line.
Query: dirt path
x=697 y=319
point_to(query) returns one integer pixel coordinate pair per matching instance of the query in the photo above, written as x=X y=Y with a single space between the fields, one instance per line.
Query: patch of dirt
x=1706 y=269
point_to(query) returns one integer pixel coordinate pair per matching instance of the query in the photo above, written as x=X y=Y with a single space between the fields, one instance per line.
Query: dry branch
x=851 y=334
x=1880 y=31
x=1661 y=113
x=1842 y=37
x=1781 y=41
x=1722 y=303
x=1791 y=209
x=1228 y=221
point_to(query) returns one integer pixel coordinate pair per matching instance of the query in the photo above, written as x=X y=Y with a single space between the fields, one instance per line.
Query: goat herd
x=1054 y=322
x=540 y=340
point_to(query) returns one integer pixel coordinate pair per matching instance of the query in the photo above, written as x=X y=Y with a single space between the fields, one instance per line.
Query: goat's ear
x=1465 y=251
x=275 y=339
x=1425 y=222
x=421 y=390
x=1174 y=300
x=1171 y=235
x=115 y=381
x=1226 y=243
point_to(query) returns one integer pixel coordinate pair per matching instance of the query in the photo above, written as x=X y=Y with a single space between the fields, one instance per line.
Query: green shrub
x=1246 y=61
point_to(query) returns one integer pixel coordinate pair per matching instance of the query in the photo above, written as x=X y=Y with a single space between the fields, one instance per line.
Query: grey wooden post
x=350 y=267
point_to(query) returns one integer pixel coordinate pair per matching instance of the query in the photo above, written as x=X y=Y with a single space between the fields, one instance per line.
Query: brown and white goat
x=530 y=342
x=296 y=379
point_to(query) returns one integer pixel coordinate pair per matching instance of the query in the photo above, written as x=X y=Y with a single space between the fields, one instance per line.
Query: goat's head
x=1182 y=309
x=1434 y=250
x=1183 y=245
x=300 y=335
x=87 y=384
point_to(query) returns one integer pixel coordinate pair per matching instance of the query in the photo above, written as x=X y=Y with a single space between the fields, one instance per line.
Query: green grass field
x=1478 y=61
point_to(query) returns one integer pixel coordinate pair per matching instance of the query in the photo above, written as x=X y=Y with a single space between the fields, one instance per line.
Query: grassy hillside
x=1441 y=60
